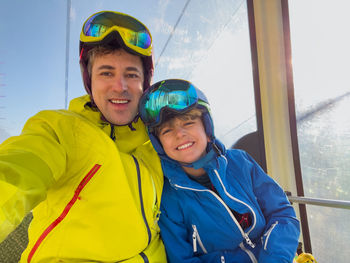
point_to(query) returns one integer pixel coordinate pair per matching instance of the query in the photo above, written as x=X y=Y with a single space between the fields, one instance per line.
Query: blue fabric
x=188 y=208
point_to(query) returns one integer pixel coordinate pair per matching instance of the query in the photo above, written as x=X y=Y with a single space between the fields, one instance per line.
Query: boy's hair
x=169 y=116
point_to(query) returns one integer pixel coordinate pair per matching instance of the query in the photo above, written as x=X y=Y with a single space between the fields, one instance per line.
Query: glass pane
x=320 y=49
x=215 y=55
x=212 y=53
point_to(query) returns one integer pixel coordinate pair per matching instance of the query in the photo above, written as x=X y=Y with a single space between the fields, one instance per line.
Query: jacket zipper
x=144 y=257
x=250 y=253
x=65 y=211
x=156 y=212
x=196 y=238
x=245 y=236
x=141 y=200
x=268 y=232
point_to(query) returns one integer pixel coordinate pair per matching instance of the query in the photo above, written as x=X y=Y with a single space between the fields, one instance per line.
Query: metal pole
x=320 y=202
x=67 y=53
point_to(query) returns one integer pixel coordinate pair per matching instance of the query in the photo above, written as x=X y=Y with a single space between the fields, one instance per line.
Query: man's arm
x=29 y=164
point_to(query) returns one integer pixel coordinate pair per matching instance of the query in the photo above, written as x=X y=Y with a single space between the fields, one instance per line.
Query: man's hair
x=98 y=51
x=169 y=116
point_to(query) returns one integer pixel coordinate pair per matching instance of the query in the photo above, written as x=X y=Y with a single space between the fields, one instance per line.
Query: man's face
x=117 y=85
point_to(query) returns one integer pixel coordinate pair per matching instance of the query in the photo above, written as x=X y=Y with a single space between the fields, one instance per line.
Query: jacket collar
x=215 y=160
x=126 y=139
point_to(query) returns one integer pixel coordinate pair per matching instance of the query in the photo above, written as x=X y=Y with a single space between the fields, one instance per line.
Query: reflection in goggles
x=131 y=30
x=176 y=96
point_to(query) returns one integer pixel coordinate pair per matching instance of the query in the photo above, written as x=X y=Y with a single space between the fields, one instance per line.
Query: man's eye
x=132 y=75
x=105 y=73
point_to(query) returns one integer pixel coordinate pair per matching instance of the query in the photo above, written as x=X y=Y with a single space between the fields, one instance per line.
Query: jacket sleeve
x=280 y=238
x=29 y=164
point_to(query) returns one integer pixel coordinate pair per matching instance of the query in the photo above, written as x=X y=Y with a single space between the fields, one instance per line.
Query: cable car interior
x=275 y=73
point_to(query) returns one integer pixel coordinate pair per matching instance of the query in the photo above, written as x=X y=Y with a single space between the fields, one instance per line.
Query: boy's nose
x=179 y=131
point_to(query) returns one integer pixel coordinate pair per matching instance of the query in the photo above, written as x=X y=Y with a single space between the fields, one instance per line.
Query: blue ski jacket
x=197 y=225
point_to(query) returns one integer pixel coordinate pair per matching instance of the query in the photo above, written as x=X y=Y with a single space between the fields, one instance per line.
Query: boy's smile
x=185 y=146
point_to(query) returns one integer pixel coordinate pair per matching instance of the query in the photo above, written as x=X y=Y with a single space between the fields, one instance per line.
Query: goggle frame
x=172 y=95
x=121 y=30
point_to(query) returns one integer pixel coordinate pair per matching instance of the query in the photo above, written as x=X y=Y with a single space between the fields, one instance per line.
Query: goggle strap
x=81 y=53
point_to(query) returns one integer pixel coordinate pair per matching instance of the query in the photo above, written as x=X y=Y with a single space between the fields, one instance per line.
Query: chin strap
x=133 y=121
x=211 y=154
x=131 y=127
x=112 y=136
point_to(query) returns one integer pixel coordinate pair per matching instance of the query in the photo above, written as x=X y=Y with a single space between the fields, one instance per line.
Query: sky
x=209 y=46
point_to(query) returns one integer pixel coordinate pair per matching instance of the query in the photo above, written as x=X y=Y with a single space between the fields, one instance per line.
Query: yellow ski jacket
x=94 y=199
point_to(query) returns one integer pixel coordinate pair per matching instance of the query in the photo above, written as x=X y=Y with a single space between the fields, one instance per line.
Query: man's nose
x=120 y=84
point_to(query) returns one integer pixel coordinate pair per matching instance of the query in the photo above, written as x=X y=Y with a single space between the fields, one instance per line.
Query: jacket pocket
x=249 y=253
x=196 y=239
x=266 y=236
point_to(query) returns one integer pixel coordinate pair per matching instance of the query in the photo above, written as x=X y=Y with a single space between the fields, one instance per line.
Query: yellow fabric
x=305 y=258
x=42 y=168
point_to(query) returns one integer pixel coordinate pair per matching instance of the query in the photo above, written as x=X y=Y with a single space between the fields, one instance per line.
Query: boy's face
x=117 y=85
x=184 y=140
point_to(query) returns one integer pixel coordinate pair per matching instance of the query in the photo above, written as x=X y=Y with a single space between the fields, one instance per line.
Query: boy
x=217 y=205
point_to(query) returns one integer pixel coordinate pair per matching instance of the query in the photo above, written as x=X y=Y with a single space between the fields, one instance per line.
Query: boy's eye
x=187 y=123
x=165 y=131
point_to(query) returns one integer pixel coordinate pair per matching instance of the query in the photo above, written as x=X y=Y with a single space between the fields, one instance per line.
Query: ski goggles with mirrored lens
x=134 y=34
x=174 y=95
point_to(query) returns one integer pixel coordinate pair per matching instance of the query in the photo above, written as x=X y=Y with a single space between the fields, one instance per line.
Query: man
x=90 y=174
